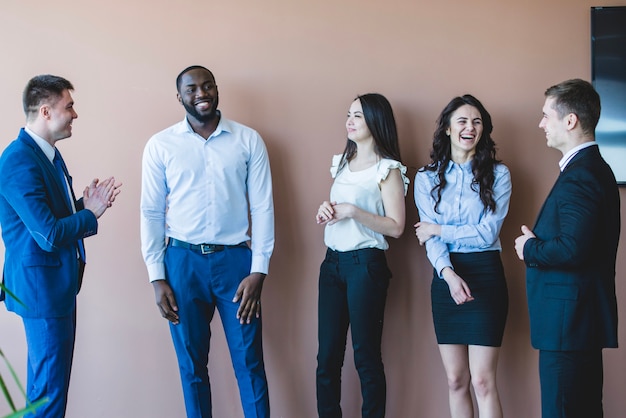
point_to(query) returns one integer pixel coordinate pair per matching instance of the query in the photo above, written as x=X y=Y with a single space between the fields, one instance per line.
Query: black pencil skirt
x=481 y=321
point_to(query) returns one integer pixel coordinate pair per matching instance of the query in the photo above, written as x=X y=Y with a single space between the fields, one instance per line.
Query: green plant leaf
x=32 y=407
x=6 y=393
x=8 y=292
x=12 y=371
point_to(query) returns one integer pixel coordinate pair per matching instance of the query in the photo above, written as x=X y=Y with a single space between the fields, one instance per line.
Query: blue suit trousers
x=50 y=344
x=201 y=283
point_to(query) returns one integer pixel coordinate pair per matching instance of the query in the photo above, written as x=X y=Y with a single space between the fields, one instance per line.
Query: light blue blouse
x=466 y=226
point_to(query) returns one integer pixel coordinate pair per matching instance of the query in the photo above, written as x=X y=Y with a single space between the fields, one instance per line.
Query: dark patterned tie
x=59 y=165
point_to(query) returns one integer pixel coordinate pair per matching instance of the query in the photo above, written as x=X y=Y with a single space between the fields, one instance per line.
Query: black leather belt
x=200 y=248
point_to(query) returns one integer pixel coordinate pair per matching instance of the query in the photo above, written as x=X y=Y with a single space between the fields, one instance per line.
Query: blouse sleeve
x=436 y=250
x=334 y=166
x=386 y=166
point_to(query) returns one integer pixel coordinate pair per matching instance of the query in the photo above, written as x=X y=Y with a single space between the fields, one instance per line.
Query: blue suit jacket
x=40 y=232
x=570 y=275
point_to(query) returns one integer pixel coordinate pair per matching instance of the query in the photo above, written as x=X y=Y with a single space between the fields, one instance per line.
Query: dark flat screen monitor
x=608 y=74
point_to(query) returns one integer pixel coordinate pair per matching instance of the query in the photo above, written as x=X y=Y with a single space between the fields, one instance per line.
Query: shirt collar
x=466 y=166
x=43 y=144
x=222 y=126
x=571 y=153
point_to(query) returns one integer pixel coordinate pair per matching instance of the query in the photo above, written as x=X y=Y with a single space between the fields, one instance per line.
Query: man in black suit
x=570 y=259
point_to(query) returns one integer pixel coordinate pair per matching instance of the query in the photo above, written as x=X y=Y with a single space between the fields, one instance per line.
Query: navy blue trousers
x=201 y=283
x=352 y=293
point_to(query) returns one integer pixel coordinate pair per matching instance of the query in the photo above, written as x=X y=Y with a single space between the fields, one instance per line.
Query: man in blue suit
x=570 y=259
x=43 y=226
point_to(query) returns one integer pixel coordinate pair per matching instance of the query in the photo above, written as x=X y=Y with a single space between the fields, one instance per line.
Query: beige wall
x=290 y=69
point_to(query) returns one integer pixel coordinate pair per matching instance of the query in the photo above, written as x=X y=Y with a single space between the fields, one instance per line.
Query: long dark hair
x=381 y=124
x=483 y=162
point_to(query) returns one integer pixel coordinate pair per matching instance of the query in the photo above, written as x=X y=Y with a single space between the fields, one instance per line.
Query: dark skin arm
x=166 y=301
x=249 y=293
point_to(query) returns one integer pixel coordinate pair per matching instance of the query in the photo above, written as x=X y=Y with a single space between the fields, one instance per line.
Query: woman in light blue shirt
x=462 y=198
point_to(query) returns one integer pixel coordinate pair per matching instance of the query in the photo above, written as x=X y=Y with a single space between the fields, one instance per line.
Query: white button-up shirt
x=205 y=191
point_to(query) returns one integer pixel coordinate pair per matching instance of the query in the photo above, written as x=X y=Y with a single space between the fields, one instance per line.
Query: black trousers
x=571 y=384
x=352 y=292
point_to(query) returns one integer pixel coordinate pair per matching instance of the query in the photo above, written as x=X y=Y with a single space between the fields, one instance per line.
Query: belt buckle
x=206 y=249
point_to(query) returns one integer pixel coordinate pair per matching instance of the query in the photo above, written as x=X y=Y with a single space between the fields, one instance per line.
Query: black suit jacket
x=570 y=275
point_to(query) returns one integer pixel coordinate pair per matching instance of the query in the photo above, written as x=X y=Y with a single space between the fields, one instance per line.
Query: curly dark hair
x=381 y=123
x=484 y=160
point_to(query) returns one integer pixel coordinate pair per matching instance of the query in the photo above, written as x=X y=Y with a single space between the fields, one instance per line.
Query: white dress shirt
x=571 y=153
x=43 y=144
x=205 y=191
x=50 y=151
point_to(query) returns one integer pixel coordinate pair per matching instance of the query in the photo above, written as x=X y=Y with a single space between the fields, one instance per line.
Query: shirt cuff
x=260 y=264
x=441 y=264
x=156 y=271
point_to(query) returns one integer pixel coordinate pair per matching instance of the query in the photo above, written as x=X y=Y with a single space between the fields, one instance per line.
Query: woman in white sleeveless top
x=366 y=205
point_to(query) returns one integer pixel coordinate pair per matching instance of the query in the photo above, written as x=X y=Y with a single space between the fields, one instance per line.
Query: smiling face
x=554 y=126
x=198 y=95
x=356 y=125
x=465 y=130
x=59 y=116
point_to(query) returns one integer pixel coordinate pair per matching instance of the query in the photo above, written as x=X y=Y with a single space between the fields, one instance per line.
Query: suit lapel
x=50 y=172
x=48 y=169
x=588 y=152
x=547 y=199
